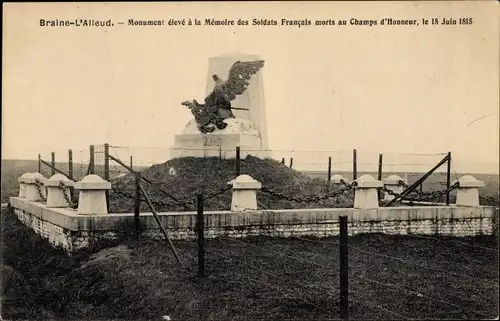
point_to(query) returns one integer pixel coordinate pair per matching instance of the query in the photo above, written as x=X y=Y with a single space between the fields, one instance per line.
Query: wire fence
x=387 y=276
x=426 y=277
x=302 y=160
x=116 y=163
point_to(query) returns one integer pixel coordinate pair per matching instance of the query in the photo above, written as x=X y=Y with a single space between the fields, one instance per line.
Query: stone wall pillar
x=244 y=193
x=366 y=194
x=35 y=187
x=55 y=195
x=393 y=183
x=22 y=184
x=468 y=191
x=92 y=195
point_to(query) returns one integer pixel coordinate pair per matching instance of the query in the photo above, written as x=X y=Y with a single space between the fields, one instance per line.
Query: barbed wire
x=454 y=241
x=310 y=199
x=317 y=241
x=378 y=306
x=448 y=252
x=267 y=284
x=419 y=294
x=252 y=266
x=275 y=252
x=269 y=274
x=419 y=265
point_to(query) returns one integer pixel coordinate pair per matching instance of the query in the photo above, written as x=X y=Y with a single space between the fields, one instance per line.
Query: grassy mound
x=184 y=177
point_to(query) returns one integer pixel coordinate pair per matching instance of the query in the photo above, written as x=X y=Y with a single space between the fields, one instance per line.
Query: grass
x=248 y=279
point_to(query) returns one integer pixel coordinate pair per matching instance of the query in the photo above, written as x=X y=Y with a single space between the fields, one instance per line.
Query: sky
x=406 y=90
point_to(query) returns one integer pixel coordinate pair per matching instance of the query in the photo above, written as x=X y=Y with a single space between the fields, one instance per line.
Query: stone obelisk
x=252 y=98
x=248 y=130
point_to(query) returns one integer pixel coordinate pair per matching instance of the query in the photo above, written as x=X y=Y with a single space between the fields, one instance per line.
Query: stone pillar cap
x=393 y=179
x=336 y=178
x=34 y=177
x=469 y=181
x=92 y=182
x=22 y=178
x=245 y=182
x=368 y=181
x=56 y=179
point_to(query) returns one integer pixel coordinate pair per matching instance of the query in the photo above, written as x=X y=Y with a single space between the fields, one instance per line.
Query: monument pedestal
x=220 y=143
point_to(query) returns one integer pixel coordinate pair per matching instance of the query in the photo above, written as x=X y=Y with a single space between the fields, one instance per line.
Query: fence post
x=200 y=235
x=137 y=205
x=91 y=161
x=354 y=164
x=106 y=170
x=238 y=172
x=70 y=164
x=291 y=162
x=344 y=274
x=283 y=161
x=53 y=163
x=131 y=163
x=379 y=176
x=39 y=164
x=329 y=170
x=448 y=178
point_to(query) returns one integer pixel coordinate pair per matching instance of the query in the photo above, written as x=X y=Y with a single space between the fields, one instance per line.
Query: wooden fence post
x=344 y=268
x=157 y=219
x=200 y=235
x=131 y=163
x=137 y=205
x=283 y=161
x=53 y=163
x=70 y=164
x=238 y=157
x=379 y=176
x=291 y=162
x=106 y=170
x=39 y=164
x=91 y=161
x=354 y=164
x=329 y=170
x=448 y=178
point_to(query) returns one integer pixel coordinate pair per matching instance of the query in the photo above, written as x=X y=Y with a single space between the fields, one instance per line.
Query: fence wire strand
x=419 y=294
x=420 y=265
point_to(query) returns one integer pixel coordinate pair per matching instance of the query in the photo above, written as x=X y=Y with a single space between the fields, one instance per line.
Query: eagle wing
x=239 y=75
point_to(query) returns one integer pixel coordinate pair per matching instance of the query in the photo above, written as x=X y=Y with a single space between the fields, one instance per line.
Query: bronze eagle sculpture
x=210 y=116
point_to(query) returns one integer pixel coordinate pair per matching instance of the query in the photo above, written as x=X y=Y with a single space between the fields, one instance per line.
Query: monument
x=233 y=113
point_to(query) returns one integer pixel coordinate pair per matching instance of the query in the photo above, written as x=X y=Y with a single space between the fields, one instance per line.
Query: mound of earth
x=183 y=178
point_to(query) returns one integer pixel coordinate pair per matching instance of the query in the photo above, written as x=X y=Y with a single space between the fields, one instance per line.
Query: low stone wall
x=65 y=228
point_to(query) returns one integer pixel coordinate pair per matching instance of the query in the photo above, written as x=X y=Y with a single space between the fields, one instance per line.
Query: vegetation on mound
x=193 y=175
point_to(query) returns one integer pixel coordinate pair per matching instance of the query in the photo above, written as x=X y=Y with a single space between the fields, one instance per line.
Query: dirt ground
x=390 y=277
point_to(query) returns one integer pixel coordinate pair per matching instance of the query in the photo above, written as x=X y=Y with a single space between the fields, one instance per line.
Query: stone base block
x=216 y=145
x=220 y=143
x=467 y=197
x=366 y=198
